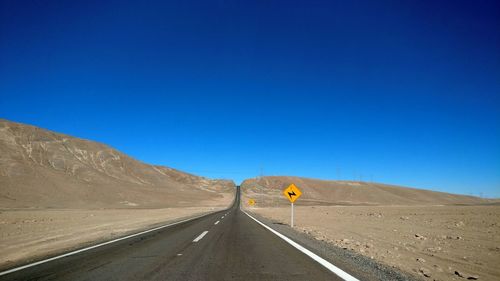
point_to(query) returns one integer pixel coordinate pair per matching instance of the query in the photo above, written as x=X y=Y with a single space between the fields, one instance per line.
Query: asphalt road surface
x=226 y=245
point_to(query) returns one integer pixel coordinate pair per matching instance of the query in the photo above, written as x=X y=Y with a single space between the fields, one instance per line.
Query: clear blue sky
x=401 y=92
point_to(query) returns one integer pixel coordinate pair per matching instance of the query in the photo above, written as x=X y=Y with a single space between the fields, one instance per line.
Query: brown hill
x=44 y=169
x=267 y=192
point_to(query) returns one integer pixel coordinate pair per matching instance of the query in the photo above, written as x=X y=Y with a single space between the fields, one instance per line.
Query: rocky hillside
x=44 y=169
x=267 y=192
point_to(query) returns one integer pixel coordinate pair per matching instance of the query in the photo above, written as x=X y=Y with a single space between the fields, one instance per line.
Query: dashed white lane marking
x=337 y=271
x=96 y=246
x=216 y=222
x=200 y=236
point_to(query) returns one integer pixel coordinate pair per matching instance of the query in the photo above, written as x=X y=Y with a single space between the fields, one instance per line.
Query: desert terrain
x=59 y=192
x=432 y=235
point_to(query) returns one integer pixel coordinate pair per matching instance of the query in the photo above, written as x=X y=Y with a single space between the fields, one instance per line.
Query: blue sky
x=400 y=92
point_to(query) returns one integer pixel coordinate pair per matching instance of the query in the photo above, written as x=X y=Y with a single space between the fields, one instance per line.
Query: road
x=227 y=245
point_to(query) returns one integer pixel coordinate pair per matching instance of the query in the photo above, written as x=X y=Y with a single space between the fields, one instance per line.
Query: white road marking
x=200 y=236
x=216 y=222
x=97 y=246
x=337 y=271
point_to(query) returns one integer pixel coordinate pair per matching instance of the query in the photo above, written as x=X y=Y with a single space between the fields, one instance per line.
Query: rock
x=425 y=272
x=404 y=218
x=463 y=275
x=421 y=237
x=434 y=249
x=420 y=260
x=438 y=268
x=368 y=245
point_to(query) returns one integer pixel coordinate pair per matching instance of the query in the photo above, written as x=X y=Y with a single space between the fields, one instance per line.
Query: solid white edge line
x=200 y=236
x=337 y=271
x=98 y=245
x=216 y=222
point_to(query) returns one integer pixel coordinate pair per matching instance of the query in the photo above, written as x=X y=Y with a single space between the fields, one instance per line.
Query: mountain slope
x=267 y=192
x=44 y=169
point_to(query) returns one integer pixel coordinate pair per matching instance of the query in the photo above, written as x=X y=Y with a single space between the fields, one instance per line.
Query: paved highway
x=226 y=245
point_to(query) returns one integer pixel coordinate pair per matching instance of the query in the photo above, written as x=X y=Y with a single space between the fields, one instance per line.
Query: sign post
x=292 y=193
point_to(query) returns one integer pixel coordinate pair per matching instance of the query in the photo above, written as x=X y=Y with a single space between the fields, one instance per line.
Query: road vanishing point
x=225 y=245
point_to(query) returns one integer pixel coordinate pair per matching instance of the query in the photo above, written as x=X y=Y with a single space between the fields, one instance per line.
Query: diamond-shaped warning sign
x=292 y=193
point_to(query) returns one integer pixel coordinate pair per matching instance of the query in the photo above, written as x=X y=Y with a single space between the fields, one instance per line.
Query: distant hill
x=44 y=169
x=267 y=192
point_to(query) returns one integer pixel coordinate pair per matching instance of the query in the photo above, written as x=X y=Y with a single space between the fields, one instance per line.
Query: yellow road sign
x=292 y=193
x=251 y=202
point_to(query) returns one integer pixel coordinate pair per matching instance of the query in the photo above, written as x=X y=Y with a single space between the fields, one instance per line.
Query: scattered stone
x=368 y=245
x=434 y=249
x=463 y=275
x=438 y=268
x=425 y=272
x=404 y=218
x=420 y=260
x=421 y=237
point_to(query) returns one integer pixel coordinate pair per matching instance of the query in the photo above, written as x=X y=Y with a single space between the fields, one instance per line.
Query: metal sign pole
x=292 y=193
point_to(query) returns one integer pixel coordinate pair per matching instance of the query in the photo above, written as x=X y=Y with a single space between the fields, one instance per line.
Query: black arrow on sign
x=291 y=193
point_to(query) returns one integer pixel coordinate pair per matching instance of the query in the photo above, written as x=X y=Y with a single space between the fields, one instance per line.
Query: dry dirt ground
x=31 y=234
x=432 y=242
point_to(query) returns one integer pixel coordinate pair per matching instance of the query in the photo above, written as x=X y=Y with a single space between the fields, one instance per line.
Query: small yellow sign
x=251 y=202
x=292 y=193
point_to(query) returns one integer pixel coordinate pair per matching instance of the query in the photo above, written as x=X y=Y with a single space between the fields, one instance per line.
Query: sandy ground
x=432 y=242
x=31 y=234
